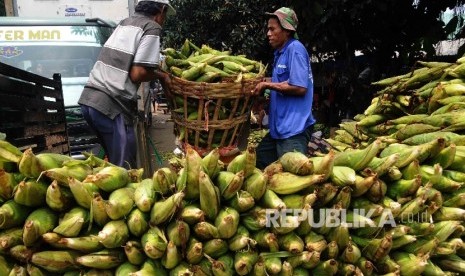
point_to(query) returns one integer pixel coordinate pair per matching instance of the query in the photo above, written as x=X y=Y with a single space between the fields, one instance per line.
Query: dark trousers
x=117 y=138
x=270 y=150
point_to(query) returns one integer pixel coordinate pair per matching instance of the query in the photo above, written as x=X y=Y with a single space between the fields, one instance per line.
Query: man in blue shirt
x=290 y=111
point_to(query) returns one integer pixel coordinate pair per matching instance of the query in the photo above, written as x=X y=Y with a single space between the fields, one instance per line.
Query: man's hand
x=259 y=88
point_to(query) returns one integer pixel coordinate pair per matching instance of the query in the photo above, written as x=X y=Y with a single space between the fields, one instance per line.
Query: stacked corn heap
x=205 y=64
x=413 y=108
x=67 y=216
x=197 y=68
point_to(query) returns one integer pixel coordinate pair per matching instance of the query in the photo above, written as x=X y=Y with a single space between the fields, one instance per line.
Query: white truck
x=114 y=10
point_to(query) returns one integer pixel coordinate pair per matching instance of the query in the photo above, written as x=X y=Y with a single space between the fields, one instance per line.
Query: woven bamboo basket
x=210 y=115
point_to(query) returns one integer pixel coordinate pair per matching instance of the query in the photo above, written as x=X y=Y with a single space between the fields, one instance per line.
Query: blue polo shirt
x=291 y=115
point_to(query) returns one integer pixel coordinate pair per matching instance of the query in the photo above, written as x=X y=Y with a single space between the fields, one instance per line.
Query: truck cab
x=68 y=46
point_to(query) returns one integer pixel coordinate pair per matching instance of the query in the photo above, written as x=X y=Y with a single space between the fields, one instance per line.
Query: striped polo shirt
x=135 y=41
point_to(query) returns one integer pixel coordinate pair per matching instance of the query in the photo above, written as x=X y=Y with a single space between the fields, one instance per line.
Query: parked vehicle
x=69 y=46
x=114 y=10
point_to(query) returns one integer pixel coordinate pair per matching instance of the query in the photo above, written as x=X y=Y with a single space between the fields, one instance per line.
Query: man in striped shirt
x=129 y=57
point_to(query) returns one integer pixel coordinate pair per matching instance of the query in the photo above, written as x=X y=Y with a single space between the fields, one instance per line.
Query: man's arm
x=140 y=74
x=283 y=87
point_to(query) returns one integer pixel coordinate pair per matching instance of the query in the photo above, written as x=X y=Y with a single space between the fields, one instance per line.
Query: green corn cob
x=266 y=240
x=366 y=266
x=449 y=213
x=38 y=223
x=244 y=262
x=340 y=235
x=194 y=253
x=126 y=268
x=31 y=193
x=209 y=198
x=7 y=184
x=242 y=202
x=210 y=163
x=34 y=270
x=344 y=197
x=62 y=174
x=325 y=193
x=376 y=249
x=205 y=230
x=13 y=214
x=229 y=183
x=273 y=265
x=422 y=247
x=56 y=261
x=104 y=259
x=9 y=238
x=255 y=184
x=315 y=242
x=241 y=240
x=98 y=212
x=245 y=161
x=192 y=214
x=324 y=165
x=138 y=222
x=83 y=192
x=72 y=222
x=296 y=163
x=114 y=234
x=164 y=210
x=331 y=251
x=154 y=243
x=409 y=263
x=58 y=198
x=215 y=248
x=227 y=222
x=192 y=170
x=172 y=256
x=164 y=181
x=120 y=203
x=144 y=195
x=342 y=176
x=403 y=241
x=134 y=252
x=178 y=232
x=358 y=159
x=328 y=267
x=291 y=242
x=109 y=178
x=285 y=183
x=299 y=259
x=8 y=152
x=271 y=200
x=223 y=266
x=84 y=244
x=394 y=173
x=300 y=271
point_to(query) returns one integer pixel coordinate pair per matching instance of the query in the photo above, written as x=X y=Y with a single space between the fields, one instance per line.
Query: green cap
x=287 y=18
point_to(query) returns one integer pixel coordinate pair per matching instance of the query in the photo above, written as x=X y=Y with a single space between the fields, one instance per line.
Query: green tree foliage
x=2 y=8
x=381 y=28
x=238 y=26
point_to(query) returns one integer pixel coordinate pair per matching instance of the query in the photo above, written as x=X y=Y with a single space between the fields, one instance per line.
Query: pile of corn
x=88 y=217
x=413 y=108
x=205 y=64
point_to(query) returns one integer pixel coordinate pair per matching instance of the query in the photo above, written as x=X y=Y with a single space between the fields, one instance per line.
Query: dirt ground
x=161 y=133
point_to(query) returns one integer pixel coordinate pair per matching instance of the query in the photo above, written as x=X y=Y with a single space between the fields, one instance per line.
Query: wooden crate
x=32 y=112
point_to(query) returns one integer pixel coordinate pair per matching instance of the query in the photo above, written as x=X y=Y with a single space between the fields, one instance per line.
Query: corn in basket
x=211 y=115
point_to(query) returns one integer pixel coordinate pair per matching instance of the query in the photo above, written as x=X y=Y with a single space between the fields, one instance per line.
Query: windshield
x=44 y=50
x=45 y=59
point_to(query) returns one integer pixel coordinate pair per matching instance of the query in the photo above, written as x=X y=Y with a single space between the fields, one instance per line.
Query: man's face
x=277 y=36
